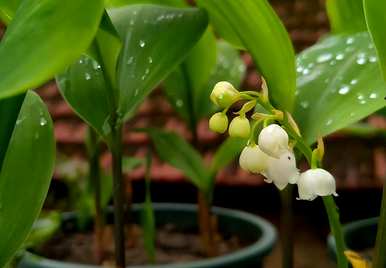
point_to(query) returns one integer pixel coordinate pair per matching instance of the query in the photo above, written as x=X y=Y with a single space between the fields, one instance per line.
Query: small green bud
x=224 y=94
x=240 y=127
x=218 y=122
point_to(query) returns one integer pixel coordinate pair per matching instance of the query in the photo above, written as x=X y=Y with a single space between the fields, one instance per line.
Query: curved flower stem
x=329 y=202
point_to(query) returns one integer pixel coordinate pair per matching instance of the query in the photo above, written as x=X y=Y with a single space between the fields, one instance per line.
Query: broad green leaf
x=148 y=219
x=339 y=83
x=346 y=16
x=227 y=152
x=155 y=40
x=25 y=174
x=174 y=150
x=9 y=111
x=61 y=41
x=376 y=21
x=264 y=36
x=84 y=87
x=8 y=9
x=120 y=3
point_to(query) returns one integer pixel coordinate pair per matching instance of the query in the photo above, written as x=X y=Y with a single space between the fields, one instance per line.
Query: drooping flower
x=224 y=94
x=240 y=127
x=282 y=170
x=273 y=140
x=316 y=182
x=254 y=160
x=218 y=122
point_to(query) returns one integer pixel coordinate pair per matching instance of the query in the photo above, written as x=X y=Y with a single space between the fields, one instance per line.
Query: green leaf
x=376 y=21
x=8 y=9
x=84 y=87
x=174 y=150
x=227 y=152
x=9 y=111
x=148 y=220
x=264 y=36
x=148 y=55
x=61 y=41
x=25 y=174
x=184 y=85
x=346 y=16
x=120 y=3
x=339 y=83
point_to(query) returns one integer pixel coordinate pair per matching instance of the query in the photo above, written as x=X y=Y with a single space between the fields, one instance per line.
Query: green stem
x=336 y=229
x=380 y=245
x=95 y=179
x=119 y=200
x=286 y=221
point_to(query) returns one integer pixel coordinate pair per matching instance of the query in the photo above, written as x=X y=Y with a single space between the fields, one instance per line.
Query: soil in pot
x=172 y=246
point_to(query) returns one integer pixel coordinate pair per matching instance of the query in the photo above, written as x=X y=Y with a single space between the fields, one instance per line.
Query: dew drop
x=130 y=60
x=299 y=69
x=344 y=90
x=354 y=82
x=329 y=122
x=136 y=92
x=360 y=97
x=87 y=76
x=179 y=103
x=362 y=102
x=333 y=62
x=324 y=57
x=349 y=40
x=304 y=104
x=43 y=121
x=372 y=59
x=340 y=56
x=361 y=61
x=306 y=71
x=142 y=43
x=150 y=59
x=373 y=96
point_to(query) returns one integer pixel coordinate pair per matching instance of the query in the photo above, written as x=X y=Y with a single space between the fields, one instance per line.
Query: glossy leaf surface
x=261 y=32
x=120 y=3
x=376 y=22
x=25 y=174
x=339 y=83
x=155 y=40
x=58 y=42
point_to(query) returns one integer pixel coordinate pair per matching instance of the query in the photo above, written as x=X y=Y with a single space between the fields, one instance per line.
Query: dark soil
x=172 y=246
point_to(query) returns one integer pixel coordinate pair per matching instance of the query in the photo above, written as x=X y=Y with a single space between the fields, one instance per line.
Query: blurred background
x=358 y=160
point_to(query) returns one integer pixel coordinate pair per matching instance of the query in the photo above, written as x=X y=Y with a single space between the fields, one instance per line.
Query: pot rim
x=258 y=249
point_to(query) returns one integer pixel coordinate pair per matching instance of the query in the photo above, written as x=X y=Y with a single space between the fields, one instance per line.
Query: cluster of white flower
x=274 y=159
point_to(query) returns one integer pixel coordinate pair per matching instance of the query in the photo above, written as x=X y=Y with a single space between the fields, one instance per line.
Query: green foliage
x=339 y=83
x=57 y=43
x=346 y=16
x=260 y=31
x=25 y=174
x=43 y=229
x=120 y=3
x=376 y=21
x=144 y=32
x=188 y=88
x=8 y=9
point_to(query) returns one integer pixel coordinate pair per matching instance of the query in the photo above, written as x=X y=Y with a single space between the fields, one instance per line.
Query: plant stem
x=206 y=225
x=119 y=200
x=380 y=245
x=94 y=153
x=287 y=227
x=336 y=229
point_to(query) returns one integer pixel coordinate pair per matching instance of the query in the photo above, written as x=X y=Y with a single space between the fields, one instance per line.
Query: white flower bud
x=252 y=159
x=239 y=127
x=224 y=94
x=316 y=182
x=282 y=170
x=273 y=140
x=218 y=123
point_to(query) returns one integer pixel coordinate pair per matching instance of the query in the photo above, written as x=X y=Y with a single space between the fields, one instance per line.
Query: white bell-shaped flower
x=306 y=187
x=282 y=170
x=316 y=182
x=254 y=160
x=273 y=140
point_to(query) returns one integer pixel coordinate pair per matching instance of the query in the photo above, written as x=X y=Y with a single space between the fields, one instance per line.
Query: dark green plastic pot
x=245 y=225
x=359 y=235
